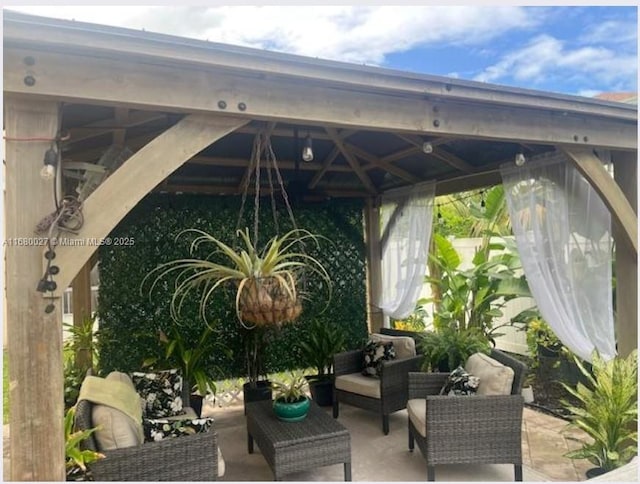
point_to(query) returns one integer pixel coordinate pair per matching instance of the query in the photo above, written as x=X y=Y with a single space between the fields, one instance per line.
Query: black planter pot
x=196 y=403
x=261 y=391
x=594 y=472
x=321 y=391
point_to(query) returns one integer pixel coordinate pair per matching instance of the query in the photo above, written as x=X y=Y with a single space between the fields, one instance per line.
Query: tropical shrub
x=449 y=347
x=607 y=411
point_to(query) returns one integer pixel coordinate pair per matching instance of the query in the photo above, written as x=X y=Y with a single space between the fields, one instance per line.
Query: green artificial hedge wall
x=130 y=317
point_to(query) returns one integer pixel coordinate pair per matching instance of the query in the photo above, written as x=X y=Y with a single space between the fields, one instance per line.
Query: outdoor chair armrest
x=186 y=458
x=348 y=362
x=423 y=384
x=474 y=417
x=394 y=374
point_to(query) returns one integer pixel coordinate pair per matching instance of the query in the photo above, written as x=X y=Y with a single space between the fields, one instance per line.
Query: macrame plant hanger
x=277 y=307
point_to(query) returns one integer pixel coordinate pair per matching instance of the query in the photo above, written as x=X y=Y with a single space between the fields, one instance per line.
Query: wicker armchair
x=393 y=383
x=188 y=458
x=469 y=430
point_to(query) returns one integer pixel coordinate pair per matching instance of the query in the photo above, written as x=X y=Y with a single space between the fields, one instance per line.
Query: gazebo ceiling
x=368 y=125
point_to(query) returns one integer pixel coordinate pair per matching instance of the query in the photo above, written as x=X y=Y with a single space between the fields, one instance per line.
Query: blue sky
x=573 y=50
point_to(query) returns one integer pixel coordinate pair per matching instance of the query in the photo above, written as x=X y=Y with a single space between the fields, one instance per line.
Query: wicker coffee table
x=317 y=441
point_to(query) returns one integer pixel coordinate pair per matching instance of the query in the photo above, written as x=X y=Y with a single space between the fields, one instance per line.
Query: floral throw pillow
x=161 y=392
x=159 y=429
x=460 y=382
x=374 y=354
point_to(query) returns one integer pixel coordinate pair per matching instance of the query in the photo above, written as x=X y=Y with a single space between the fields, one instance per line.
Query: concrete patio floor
x=376 y=457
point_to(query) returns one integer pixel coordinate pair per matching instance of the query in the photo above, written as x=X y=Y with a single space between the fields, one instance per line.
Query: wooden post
x=625 y=166
x=375 y=318
x=81 y=297
x=35 y=338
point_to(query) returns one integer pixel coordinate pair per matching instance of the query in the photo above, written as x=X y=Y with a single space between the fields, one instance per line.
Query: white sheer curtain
x=563 y=232
x=405 y=220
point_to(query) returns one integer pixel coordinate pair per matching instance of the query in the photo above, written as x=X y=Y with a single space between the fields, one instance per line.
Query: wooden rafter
x=113 y=199
x=99 y=128
x=439 y=152
x=379 y=163
x=353 y=162
x=282 y=164
x=326 y=166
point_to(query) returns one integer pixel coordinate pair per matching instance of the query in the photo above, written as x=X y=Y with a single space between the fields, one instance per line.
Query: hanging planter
x=266 y=281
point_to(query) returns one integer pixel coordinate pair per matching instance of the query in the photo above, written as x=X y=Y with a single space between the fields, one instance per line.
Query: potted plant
x=322 y=342
x=257 y=386
x=265 y=281
x=607 y=411
x=446 y=349
x=291 y=403
x=76 y=459
x=192 y=362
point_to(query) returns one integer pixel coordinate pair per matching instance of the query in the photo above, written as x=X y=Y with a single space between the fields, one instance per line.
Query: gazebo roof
x=368 y=124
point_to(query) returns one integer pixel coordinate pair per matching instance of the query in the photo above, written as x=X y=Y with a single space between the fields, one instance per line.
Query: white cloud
x=360 y=34
x=546 y=58
x=612 y=32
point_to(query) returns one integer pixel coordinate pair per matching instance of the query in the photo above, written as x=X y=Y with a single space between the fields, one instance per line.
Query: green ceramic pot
x=291 y=412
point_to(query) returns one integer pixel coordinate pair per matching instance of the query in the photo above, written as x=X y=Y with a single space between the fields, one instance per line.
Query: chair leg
x=518 y=473
x=412 y=443
x=431 y=473
x=385 y=424
x=336 y=406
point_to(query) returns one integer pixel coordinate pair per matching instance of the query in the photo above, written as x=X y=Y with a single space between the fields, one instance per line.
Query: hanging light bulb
x=48 y=171
x=427 y=148
x=307 y=150
x=520 y=159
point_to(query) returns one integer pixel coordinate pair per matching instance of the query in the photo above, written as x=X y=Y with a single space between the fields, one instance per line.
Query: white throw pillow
x=405 y=346
x=495 y=378
x=117 y=430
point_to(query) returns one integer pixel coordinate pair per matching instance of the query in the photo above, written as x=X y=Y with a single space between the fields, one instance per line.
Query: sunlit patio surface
x=376 y=457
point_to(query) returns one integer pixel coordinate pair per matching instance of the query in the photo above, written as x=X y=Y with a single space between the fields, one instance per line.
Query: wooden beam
x=364 y=178
x=121 y=117
x=143 y=171
x=326 y=165
x=621 y=211
x=221 y=161
x=468 y=182
x=34 y=337
x=231 y=190
x=403 y=153
x=375 y=317
x=625 y=169
x=452 y=160
x=158 y=86
x=417 y=141
x=98 y=128
x=384 y=165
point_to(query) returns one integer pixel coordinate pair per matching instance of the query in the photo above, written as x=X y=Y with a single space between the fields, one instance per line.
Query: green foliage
x=416 y=321
x=473 y=298
x=76 y=460
x=607 y=411
x=190 y=358
x=321 y=343
x=129 y=321
x=290 y=391
x=451 y=347
x=81 y=354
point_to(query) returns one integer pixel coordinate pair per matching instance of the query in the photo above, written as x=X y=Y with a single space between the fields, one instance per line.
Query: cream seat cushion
x=221 y=464
x=417 y=409
x=116 y=429
x=360 y=384
x=495 y=378
x=405 y=346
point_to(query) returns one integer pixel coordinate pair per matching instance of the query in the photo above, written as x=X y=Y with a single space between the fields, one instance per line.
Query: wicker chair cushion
x=359 y=384
x=495 y=378
x=405 y=346
x=116 y=430
x=417 y=409
x=374 y=354
x=161 y=391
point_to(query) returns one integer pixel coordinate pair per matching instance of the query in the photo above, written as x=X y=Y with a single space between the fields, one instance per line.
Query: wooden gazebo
x=188 y=110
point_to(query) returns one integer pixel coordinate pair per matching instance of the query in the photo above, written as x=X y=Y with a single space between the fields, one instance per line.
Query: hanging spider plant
x=265 y=281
